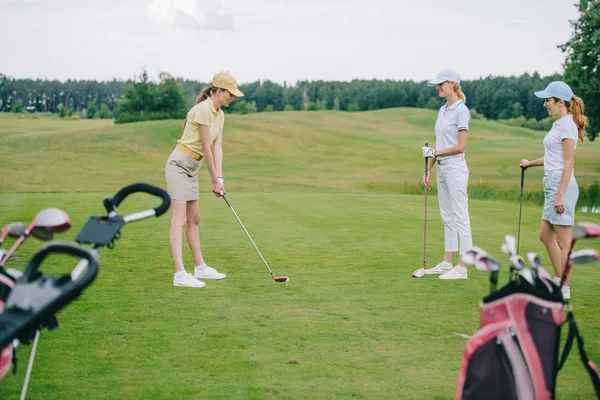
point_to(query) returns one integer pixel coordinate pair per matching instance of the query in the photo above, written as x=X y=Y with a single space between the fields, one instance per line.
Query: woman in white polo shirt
x=452 y=173
x=202 y=141
x=560 y=187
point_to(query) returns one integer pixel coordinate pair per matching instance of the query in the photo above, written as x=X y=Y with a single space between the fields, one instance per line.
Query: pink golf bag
x=515 y=353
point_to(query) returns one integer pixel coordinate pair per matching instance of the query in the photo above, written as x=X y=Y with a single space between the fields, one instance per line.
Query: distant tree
x=582 y=65
x=17 y=107
x=92 y=109
x=104 y=112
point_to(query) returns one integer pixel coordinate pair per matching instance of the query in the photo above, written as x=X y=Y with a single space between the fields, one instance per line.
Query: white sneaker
x=566 y=292
x=208 y=273
x=438 y=269
x=454 y=273
x=188 y=280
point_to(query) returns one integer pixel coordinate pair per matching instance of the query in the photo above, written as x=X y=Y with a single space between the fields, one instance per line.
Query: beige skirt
x=181 y=172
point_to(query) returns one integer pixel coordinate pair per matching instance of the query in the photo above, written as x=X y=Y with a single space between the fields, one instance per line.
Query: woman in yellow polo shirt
x=201 y=142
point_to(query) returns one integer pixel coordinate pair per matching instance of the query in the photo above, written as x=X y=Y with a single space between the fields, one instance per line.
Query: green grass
x=351 y=323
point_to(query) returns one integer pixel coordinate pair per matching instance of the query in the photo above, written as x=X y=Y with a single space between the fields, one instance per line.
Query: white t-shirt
x=451 y=120
x=563 y=128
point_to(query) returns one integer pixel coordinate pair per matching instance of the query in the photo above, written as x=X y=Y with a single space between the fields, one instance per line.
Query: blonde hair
x=576 y=107
x=459 y=92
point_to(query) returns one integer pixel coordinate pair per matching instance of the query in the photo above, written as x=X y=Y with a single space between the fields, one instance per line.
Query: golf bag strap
x=589 y=365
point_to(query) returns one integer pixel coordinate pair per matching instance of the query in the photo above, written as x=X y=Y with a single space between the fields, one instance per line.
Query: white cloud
x=198 y=14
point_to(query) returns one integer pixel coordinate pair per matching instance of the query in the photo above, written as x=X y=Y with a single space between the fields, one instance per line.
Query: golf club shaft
x=425 y=218
x=249 y=237
x=520 y=208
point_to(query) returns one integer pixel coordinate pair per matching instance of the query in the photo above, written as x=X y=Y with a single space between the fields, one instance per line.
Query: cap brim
x=237 y=93
x=435 y=82
x=542 y=94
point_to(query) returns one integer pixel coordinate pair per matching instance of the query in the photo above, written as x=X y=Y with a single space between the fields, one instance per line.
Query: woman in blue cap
x=560 y=187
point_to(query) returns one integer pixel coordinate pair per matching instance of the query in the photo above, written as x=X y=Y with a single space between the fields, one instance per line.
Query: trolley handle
x=111 y=204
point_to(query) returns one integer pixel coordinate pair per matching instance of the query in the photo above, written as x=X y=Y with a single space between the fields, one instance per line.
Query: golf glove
x=220 y=178
x=428 y=152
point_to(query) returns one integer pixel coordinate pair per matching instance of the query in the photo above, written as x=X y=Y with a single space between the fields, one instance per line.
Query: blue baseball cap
x=557 y=89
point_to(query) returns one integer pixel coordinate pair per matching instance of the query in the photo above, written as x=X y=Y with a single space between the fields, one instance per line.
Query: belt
x=450 y=160
x=189 y=152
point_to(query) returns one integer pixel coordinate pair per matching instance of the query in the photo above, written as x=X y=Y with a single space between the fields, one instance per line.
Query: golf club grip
x=426 y=161
x=31 y=269
x=143 y=188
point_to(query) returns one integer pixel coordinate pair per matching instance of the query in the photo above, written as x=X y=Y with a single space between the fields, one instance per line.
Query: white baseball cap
x=444 y=76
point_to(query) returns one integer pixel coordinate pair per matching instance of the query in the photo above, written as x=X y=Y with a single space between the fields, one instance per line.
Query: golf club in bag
x=283 y=278
x=421 y=271
x=515 y=353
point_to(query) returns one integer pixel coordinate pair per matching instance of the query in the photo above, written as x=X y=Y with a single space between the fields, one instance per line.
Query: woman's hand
x=426 y=181
x=218 y=188
x=559 y=203
x=524 y=163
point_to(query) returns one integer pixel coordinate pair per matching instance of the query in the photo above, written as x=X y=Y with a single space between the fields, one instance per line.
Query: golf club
x=583 y=230
x=509 y=247
x=276 y=278
x=16 y=229
x=520 y=208
x=49 y=220
x=421 y=271
x=485 y=262
x=539 y=272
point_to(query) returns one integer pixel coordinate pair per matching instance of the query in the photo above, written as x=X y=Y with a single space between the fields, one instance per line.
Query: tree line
x=507 y=99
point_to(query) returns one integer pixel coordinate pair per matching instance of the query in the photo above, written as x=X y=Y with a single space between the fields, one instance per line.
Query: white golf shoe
x=208 y=273
x=438 y=269
x=455 y=273
x=188 y=280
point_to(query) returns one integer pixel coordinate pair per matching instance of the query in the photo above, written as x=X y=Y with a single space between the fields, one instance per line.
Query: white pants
x=452 y=181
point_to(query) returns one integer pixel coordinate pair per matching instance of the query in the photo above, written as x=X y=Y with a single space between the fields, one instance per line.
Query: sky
x=282 y=41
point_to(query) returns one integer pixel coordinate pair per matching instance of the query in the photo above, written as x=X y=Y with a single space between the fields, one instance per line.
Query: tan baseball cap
x=223 y=80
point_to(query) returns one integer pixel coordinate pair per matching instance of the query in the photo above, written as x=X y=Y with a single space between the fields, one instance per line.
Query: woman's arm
x=569 y=155
x=535 y=163
x=218 y=154
x=217 y=187
x=458 y=149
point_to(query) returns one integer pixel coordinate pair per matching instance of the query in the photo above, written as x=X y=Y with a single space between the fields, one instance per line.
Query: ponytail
x=203 y=95
x=576 y=107
x=460 y=93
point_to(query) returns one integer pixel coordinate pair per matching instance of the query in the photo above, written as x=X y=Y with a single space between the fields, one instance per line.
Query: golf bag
x=515 y=353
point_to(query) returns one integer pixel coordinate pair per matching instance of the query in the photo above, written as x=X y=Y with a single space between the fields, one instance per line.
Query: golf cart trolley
x=32 y=299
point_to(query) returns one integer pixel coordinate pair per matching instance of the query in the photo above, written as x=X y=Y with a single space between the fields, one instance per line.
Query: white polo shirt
x=451 y=120
x=564 y=128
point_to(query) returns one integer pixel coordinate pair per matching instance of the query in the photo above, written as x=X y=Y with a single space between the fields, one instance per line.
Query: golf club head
x=584 y=256
x=534 y=260
x=419 y=273
x=517 y=262
x=487 y=263
x=471 y=254
x=585 y=230
x=42 y=234
x=281 y=278
x=16 y=229
x=52 y=220
x=509 y=246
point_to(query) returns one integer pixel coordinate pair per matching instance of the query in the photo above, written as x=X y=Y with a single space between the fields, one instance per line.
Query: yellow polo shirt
x=203 y=113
